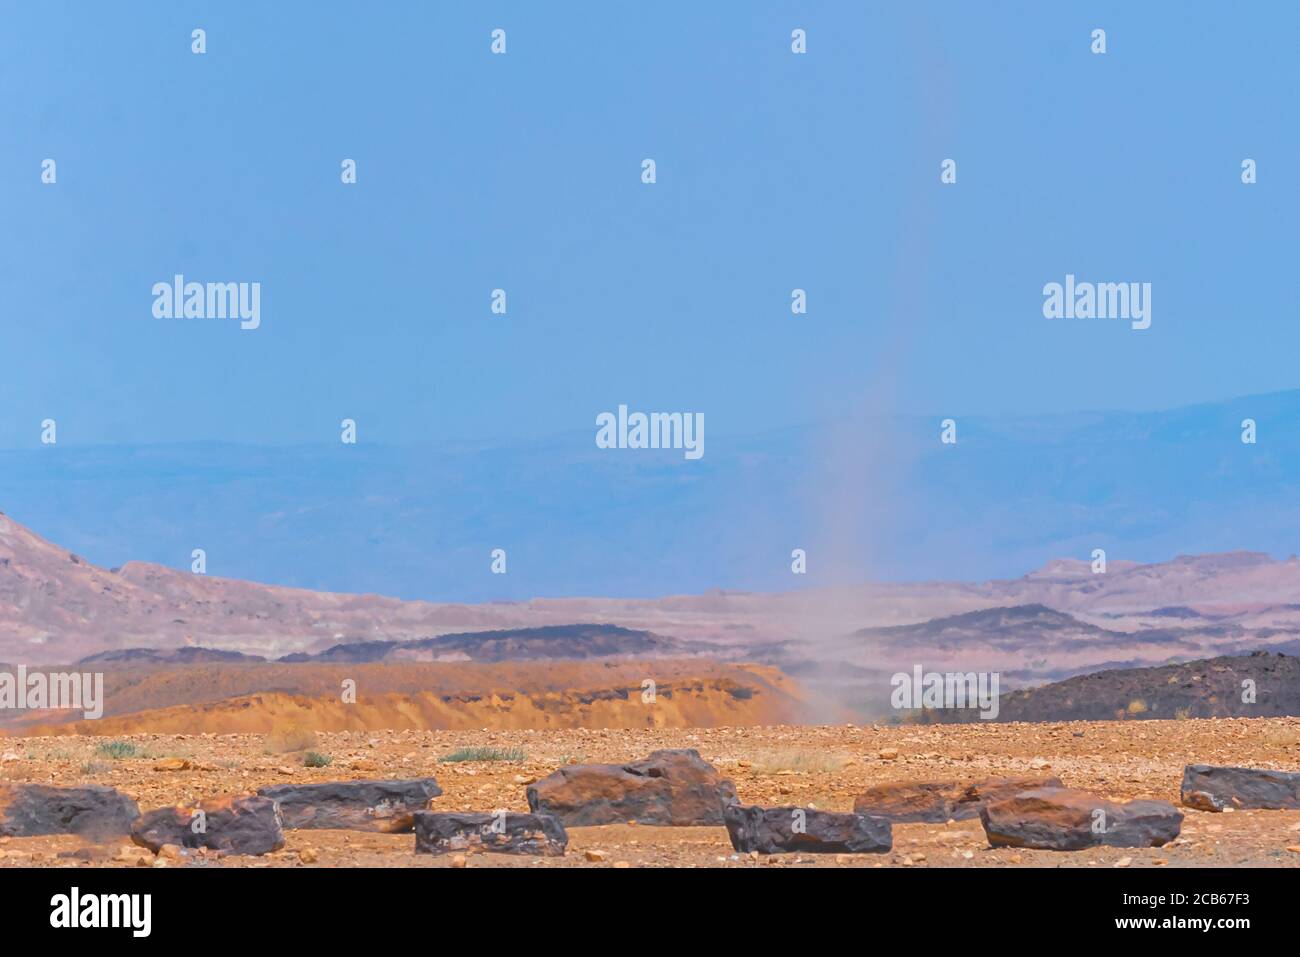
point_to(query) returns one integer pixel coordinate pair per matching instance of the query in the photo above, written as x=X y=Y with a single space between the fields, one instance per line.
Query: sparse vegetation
x=314 y=759
x=1283 y=737
x=483 y=754
x=118 y=750
x=799 y=759
x=95 y=767
x=1137 y=706
x=296 y=738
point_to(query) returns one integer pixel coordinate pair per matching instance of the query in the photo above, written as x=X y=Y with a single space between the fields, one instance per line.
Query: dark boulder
x=936 y=802
x=442 y=832
x=234 y=824
x=1064 y=819
x=674 y=787
x=387 y=806
x=93 y=811
x=1210 y=788
x=776 y=830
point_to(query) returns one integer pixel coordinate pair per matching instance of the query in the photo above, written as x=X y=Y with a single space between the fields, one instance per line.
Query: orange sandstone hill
x=269 y=698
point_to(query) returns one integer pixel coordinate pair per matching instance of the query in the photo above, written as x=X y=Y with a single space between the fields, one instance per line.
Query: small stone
x=458 y=861
x=595 y=856
x=888 y=754
x=308 y=855
x=1124 y=862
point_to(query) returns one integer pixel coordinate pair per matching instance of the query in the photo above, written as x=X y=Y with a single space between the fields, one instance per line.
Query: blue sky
x=522 y=171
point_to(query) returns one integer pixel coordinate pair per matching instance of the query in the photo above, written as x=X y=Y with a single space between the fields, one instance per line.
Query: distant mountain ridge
x=843 y=642
x=570 y=642
x=1259 y=685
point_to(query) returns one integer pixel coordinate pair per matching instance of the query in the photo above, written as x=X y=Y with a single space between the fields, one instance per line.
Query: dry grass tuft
x=296 y=738
x=800 y=759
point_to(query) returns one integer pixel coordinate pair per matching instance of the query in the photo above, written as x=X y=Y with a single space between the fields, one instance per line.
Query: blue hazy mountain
x=866 y=497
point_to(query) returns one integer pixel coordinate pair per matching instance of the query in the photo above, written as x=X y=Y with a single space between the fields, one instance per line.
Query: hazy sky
x=523 y=171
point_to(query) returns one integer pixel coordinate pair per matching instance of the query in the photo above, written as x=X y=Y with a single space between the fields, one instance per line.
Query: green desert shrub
x=117 y=750
x=484 y=754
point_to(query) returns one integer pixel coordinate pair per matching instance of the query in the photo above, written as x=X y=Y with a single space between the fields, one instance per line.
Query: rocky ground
x=822 y=767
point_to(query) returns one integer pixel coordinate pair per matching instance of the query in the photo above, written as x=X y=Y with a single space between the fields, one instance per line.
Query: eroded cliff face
x=691 y=693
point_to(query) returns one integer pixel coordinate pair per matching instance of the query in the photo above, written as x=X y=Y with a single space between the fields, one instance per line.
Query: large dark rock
x=675 y=787
x=775 y=830
x=936 y=802
x=442 y=832
x=235 y=824
x=387 y=806
x=1064 y=819
x=1210 y=788
x=30 y=810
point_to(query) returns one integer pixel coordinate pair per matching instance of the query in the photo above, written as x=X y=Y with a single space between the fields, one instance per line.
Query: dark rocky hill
x=1208 y=688
x=576 y=641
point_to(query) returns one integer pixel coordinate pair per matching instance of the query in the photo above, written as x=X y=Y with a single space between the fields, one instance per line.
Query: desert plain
x=822 y=767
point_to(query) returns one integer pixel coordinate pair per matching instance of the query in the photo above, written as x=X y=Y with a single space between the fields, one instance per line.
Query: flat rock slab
x=936 y=802
x=442 y=832
x=32 y=810
x=1064 y=819
x=777 y=830
x=1210 y=788
x=387 y=806
x=234 y=824
x=672 y=787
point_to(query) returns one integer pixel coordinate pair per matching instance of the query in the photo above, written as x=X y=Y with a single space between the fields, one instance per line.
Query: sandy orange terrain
x=267 y=697
x=822 y=766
